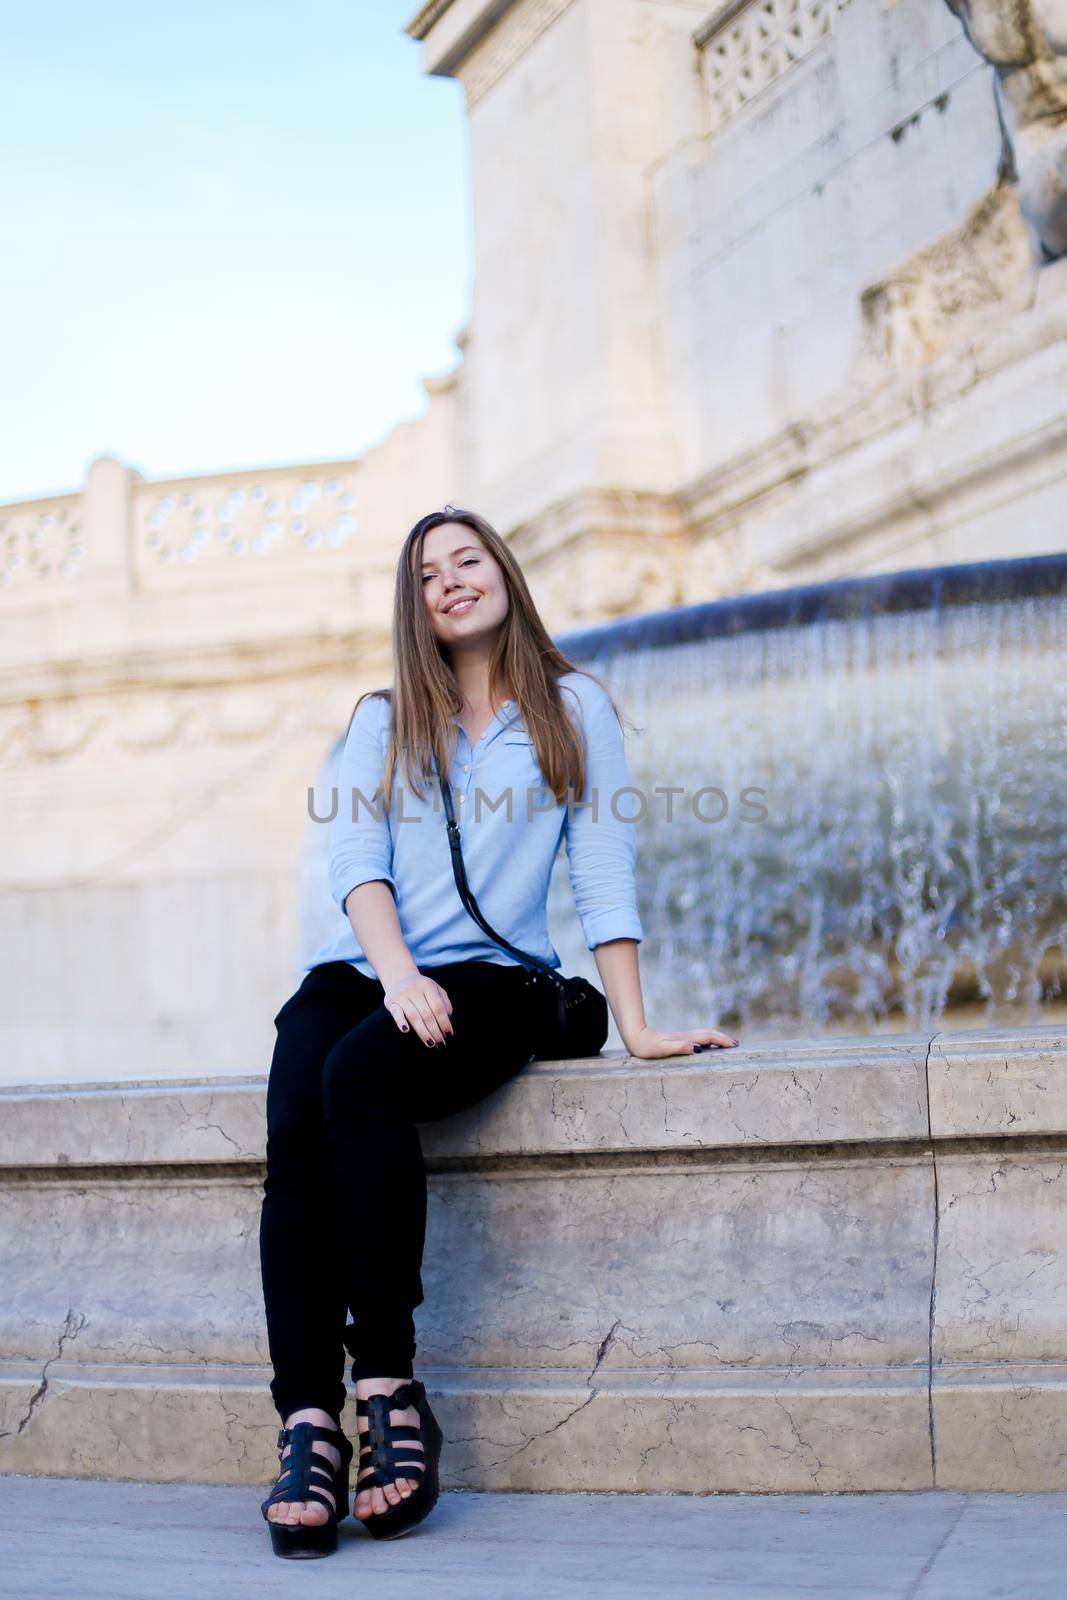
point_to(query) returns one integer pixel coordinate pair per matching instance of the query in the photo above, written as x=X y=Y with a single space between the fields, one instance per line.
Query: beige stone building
x=767 y=292
x=764 y=293
x=755 y=301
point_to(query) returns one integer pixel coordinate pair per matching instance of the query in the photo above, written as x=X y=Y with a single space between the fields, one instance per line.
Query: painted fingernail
x=430 y=1043
x=697 y=1048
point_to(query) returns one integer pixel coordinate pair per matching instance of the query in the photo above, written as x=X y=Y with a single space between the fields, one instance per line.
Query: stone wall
x=756 y=300
x=176 y=660
x=803 y=1266
x=754 y=305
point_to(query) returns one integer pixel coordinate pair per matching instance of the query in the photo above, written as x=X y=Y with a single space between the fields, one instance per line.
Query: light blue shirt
x=508 y=859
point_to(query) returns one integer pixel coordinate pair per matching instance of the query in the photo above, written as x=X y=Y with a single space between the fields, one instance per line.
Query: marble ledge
x=785 y=1092
x=1001 y=1081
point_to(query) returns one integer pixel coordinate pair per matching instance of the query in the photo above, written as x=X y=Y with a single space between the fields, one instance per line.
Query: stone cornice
x=453 y=33
x=469 y=23
x=277 y=658
x=719 y=18
x=615 y=514
x=425 y=18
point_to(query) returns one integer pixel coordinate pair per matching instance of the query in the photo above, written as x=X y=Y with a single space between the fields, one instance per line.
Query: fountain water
x=866 y=828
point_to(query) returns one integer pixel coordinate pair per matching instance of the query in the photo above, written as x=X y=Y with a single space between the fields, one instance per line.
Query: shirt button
x=466 y=764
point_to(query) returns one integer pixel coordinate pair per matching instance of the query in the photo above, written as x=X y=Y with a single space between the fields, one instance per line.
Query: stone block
x=778 y=1270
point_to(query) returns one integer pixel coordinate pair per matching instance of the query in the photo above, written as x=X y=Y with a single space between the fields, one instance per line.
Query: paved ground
x=122 y=1541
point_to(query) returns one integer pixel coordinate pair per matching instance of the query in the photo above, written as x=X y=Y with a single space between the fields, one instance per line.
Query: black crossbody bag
x=575 y=1011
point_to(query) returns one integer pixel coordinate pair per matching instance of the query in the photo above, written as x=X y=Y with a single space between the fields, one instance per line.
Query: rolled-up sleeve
x=601 y=845
x=361 y=845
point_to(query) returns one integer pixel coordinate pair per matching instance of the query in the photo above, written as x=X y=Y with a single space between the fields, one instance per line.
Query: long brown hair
x=524 y=664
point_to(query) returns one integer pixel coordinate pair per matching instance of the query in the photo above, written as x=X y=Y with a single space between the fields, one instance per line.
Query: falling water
x=880 y=836
x=911 y=854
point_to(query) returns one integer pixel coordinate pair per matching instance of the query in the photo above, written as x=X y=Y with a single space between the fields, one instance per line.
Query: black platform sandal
x=305 y=1473
x=382 y=1450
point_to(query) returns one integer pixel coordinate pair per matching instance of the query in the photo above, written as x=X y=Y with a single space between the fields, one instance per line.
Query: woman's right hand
x=419 y=1002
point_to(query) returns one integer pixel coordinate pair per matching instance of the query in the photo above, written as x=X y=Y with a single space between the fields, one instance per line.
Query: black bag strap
x=459 y=872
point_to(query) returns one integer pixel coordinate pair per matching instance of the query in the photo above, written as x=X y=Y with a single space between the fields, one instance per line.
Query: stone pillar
x=571 y=103
x=109 y=525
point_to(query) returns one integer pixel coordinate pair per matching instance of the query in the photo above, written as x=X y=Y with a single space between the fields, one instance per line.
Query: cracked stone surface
x=763 y=1263
x=72 y=1326
x=998 y=1082
x=162 y=1269
x=105 y=1124
x=813 y=1266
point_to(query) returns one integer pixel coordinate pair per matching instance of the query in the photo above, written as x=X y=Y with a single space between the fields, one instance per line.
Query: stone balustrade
x=745 y=47
x=803 y=1265
x=121 y=527
x=212 y=521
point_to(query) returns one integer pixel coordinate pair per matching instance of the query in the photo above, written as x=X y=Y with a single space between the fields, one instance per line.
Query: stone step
x=832 y=1265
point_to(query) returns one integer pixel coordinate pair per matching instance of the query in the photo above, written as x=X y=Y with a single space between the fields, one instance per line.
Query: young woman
x=412 y=1013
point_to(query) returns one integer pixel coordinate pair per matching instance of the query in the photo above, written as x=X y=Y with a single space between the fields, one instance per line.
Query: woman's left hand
x=649 y=1044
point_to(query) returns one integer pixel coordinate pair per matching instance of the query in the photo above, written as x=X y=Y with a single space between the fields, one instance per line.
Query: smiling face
x=462 y=586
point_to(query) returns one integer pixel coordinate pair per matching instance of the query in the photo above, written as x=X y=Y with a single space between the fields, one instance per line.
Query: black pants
x=343 y=1222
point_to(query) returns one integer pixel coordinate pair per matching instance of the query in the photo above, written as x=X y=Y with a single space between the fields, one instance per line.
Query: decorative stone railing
x=134 y=533
x=834 y=1265
x=41 y=546
x=266 y=514
x=746 y=45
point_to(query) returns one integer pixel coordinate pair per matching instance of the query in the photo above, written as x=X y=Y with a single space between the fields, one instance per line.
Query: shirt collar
x=502 y=718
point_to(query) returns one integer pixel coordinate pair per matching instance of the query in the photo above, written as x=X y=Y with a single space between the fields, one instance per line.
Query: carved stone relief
x=948 y=289
x=155 y=720
x=1026 y=42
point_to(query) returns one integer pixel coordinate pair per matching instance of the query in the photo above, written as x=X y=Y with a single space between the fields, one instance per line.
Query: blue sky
x=229 y=234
